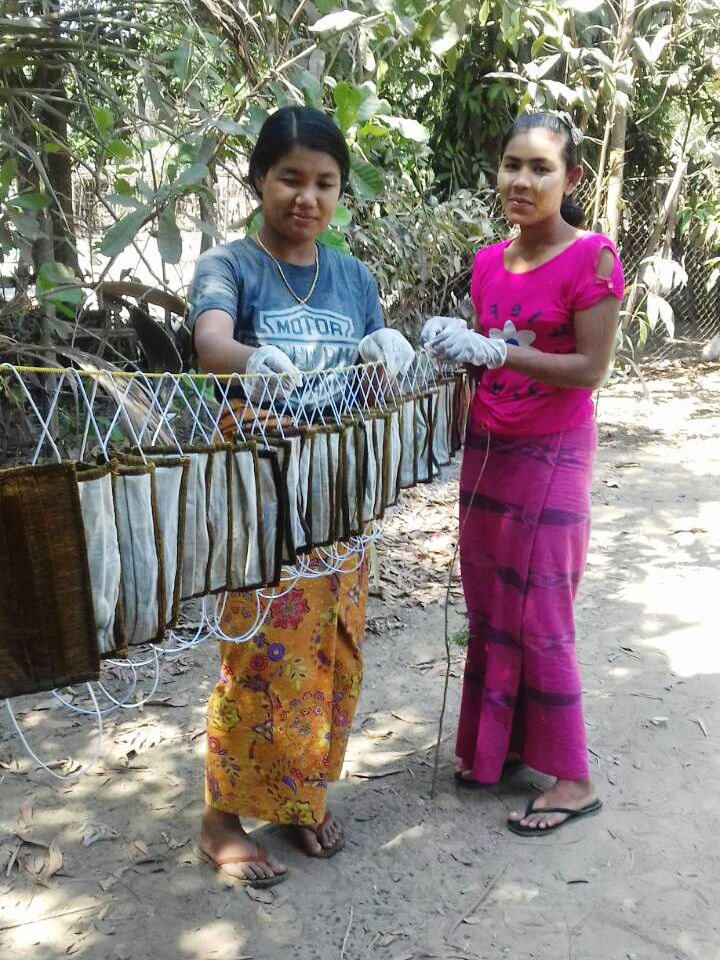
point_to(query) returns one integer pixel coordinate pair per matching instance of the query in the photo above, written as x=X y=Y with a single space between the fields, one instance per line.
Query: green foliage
x=155 y=100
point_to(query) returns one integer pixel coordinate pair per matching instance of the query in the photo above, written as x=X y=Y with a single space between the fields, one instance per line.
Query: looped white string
x=60 y=776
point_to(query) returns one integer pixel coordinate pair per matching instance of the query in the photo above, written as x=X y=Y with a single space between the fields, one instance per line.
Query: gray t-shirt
x=242 y=280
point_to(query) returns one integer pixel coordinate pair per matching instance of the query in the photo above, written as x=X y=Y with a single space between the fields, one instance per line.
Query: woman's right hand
x=435 y=326
x=271 y=362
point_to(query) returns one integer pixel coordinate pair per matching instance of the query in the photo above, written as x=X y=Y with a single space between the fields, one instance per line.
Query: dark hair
x=293 y=126
x=563 y=126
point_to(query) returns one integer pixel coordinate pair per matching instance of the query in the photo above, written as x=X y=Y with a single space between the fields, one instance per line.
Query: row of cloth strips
x=100 y=555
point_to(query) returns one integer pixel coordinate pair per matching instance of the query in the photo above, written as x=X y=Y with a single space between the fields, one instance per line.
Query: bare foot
x=512 y=760
x=225 y=842
x=318 y=841
x=570 y=794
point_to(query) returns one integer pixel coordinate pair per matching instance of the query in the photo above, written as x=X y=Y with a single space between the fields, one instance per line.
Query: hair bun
x=575 y=131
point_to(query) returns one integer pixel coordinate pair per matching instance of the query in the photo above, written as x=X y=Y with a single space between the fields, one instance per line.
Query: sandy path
x=638 y=881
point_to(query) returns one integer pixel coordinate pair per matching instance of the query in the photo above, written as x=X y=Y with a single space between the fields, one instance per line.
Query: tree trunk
x=624 y=80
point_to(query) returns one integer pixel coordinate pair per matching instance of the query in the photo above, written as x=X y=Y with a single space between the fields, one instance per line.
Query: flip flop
x=259 y=857
x=517 y=827
x=325 y=852
x=468 y=783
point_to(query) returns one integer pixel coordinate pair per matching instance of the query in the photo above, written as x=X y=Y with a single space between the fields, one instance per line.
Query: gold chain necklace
x=300 y=300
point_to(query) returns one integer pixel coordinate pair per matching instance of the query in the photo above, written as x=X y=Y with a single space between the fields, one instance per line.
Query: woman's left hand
x=390 y=348
x=461 y=345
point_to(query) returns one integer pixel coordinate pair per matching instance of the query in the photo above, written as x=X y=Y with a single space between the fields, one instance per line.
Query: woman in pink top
x=547 y=306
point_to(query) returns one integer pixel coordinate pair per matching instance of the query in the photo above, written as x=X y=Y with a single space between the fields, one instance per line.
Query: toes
x=310 y=841
x=276 y=867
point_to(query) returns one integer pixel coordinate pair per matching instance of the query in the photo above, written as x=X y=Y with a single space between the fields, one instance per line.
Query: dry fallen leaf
x=141 y=846
x=39 y=860
x=26 y=812
x=109 y=882
x=260 y=895
x=701 y=723
x=93 y=832
x=173 y=842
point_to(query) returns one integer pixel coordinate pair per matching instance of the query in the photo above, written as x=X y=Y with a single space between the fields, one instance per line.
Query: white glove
x=390 y=348
x=271 y=361
x=436 y=325
x=456 y=345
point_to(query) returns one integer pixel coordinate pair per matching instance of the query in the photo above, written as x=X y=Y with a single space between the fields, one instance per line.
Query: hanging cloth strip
x=141 y=551
x=103 y=550
x=247 y=553
x=48 y=636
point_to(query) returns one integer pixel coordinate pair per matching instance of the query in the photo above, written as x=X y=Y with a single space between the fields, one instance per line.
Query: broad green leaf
x=31 y=201
x=145 y=189
x=406 y=25
x=104 y=118
x=254 y=222
x=8 y=172
x=13 y=58
x=311 y=87
x=182 y=61
x=560 y=92
x=365 y=179
x=348 y=100
x=124 y=200
x=226 y=125
x=253 y=119
x=324 y=6
x=74 y=295
x=51 y=274
x=124 y=187
x=371 y=104
x=336 y=22
x=336 y=241
x=410 y=129
x=195 y=173
x=51 y=147
x=342 y=216
x=123 y=232
x=26 y=225
x=169 y=239
x=210 y=229
x=446 y=35
x=119 y=150
x=659 y=309
x=373 y=130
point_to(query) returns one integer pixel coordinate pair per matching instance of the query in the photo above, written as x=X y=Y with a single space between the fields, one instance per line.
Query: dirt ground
x=421 y=877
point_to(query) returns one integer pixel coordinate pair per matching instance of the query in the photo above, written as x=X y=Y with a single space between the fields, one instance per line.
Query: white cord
x=41 y=763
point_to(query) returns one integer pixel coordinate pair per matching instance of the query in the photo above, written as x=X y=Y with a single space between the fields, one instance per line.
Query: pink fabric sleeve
x=588 y=288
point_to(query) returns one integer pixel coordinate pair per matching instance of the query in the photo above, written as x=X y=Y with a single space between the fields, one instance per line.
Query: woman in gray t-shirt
x=279 y=303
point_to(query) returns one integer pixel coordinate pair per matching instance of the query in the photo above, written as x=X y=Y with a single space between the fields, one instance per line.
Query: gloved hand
x=390 y=348
x=271 y=362
x=458 y=345
x=435 y=325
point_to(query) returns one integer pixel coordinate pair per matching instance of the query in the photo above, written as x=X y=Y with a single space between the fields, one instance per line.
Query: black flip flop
x=523 y=831
x=469 y=784
x=325 y=852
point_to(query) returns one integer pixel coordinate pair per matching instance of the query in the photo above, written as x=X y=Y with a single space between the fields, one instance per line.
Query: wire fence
x=696 y=304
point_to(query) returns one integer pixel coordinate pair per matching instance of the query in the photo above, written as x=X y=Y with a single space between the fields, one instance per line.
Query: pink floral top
x=536 y=309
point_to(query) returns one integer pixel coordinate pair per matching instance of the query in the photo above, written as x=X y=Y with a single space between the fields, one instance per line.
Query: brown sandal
x=259 y=857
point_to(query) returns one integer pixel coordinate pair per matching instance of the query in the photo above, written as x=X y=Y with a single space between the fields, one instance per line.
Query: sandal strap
x=260 y=856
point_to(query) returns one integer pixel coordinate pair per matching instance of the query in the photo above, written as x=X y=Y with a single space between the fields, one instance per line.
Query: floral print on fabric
x=280 y=715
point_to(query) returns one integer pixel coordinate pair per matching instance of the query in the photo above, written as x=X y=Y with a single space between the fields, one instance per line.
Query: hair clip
x=576 y=133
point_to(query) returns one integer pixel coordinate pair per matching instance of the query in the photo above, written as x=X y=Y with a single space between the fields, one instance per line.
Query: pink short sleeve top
x=536 y=309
